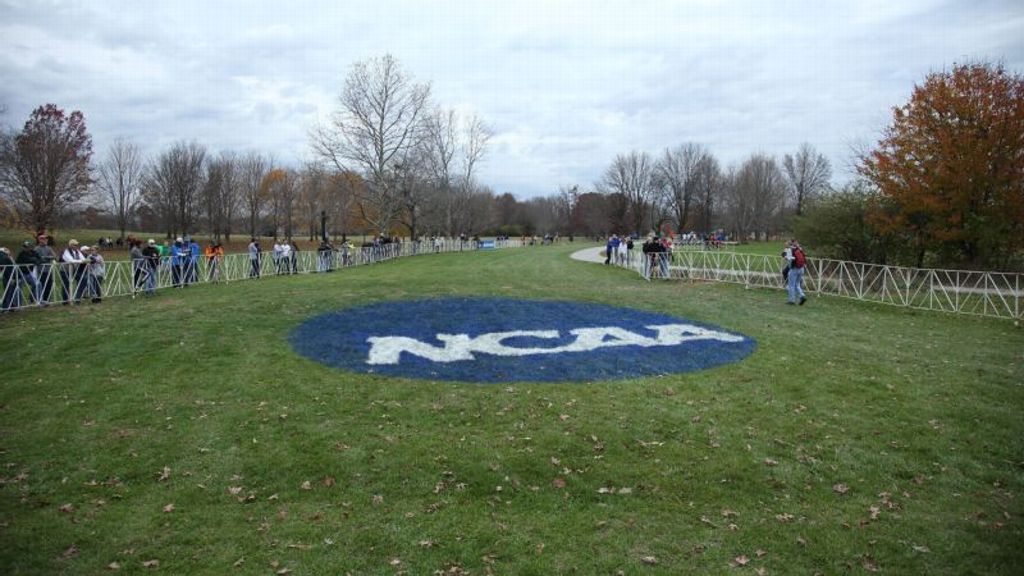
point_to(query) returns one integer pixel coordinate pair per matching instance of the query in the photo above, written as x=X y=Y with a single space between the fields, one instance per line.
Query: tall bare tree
x=220 y=193
x=381 y=118
x=708 y=188
x=632 y=176
x=677 y=176
x=45 y=167
x=757 y=194
x=173 y=186
x=120 y=180
x=808 y=173
x=253 y=168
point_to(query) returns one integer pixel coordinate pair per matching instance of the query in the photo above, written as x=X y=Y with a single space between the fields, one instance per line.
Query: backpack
x=799 y=259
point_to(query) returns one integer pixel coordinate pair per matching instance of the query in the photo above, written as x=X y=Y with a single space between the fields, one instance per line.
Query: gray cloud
x=566 y=85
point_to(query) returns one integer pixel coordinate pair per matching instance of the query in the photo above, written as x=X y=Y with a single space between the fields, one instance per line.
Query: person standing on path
x=797 y=261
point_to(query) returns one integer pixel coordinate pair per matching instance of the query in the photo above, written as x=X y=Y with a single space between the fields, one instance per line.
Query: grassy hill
x=183 y=434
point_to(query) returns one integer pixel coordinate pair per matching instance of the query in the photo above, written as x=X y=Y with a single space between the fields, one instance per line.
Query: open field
x=182 y=434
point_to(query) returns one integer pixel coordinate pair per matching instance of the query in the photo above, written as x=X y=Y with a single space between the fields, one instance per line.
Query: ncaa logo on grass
x=507 y=340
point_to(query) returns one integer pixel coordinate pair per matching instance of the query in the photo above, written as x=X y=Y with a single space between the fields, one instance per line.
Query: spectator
x=193 y=261
x=138 y=264
x=179 y=256
x=44 y=270
x=73 y=268
x=293 y=255
x=325 y=256
x=27 y=262
x=275 y=254
x=214 y=254
x=285 y=257
x=152 y=255
x=10 y=286
x=254 y=258
x=97 y=271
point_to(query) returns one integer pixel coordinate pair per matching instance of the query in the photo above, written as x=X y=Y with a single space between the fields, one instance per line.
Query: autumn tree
x=951 y=167
x=380 y=119
x=220 y=194
x=45 y=167
x=120 y=180
x=808 y=173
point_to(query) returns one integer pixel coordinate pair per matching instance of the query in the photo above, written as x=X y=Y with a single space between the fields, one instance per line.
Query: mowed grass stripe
x=914 y=416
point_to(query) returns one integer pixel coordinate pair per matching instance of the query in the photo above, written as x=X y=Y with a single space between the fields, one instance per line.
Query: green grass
x=915 y=417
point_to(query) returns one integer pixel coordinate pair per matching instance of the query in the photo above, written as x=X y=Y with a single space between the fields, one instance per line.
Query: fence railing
x=25 y=286
x=993 y=294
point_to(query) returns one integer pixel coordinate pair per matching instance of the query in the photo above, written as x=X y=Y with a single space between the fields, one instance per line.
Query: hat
x=150 y=241
x=26 y=244
x=85 y=248
x=178 y=239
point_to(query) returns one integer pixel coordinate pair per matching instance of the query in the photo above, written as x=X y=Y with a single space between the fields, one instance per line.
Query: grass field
x=181 y=434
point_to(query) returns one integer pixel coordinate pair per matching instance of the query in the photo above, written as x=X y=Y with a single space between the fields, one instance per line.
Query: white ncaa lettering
x=386 y=350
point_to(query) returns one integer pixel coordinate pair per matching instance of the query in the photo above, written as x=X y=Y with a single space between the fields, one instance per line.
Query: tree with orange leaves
x=950 y=168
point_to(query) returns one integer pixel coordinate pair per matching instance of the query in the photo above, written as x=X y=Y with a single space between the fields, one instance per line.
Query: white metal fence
x=993 y=294
x=26 y=286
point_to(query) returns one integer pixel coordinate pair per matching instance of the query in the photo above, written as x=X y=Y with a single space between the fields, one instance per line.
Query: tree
x=951 y=166
x=756 y=196
x=708 y=187
x=808 y=173
x=838 y=226
x=631 y=176
x=45 y=167
x=676 y=176
x=120 y=180
x=379 y=120
x=220 y=194
x=252 y=169
x=174 y=184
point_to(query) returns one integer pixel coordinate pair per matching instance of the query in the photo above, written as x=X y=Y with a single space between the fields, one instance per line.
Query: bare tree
x=677 y=176
x=252 y=169
x=220 y=194
x=173 y=186
x=808 y=173
x=380 y=119
x=757 y=195
x=708 y=186
x=45 y=167
x=120 y=180
x=631 y=175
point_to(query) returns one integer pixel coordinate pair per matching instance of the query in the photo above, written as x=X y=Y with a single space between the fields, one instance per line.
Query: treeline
x=943 y=187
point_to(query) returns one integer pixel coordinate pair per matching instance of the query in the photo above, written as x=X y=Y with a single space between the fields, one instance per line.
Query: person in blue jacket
x=193 y=261
x=178 y=258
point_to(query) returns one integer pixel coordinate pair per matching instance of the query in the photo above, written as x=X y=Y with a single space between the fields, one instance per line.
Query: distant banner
x=487 y=244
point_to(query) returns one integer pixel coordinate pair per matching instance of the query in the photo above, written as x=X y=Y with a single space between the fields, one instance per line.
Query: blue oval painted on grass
x=506 y=340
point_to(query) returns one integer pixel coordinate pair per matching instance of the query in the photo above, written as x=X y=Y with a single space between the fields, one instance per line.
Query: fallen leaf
x=800 y=540
x=770 y=462
x=71 y=552
x=760 y=571
x=306 y=485
x=729 y=513
x=164 y=475
x=113 y=566
x=150 y=563
x=760 y=553
x=874 y=512
x=378 y=499
x=840 y=488
x=921 y=549
x=649 y=560
x=67 y=508
x=868 y=563
x=235 y=490
x=169 y=508
x=328 y=481
x=558 y=483
x=239 y=562
x=740 y=560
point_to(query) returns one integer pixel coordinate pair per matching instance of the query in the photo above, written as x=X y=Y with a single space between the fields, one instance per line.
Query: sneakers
x=802 y=300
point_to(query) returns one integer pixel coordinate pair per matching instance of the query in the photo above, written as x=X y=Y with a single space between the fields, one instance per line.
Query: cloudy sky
x=565 y=85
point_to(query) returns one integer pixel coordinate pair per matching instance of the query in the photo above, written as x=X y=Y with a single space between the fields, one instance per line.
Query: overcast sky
x=565 y=85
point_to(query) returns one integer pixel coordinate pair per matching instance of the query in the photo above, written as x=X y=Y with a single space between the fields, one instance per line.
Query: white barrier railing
x=25 y=286
x=992 y=294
